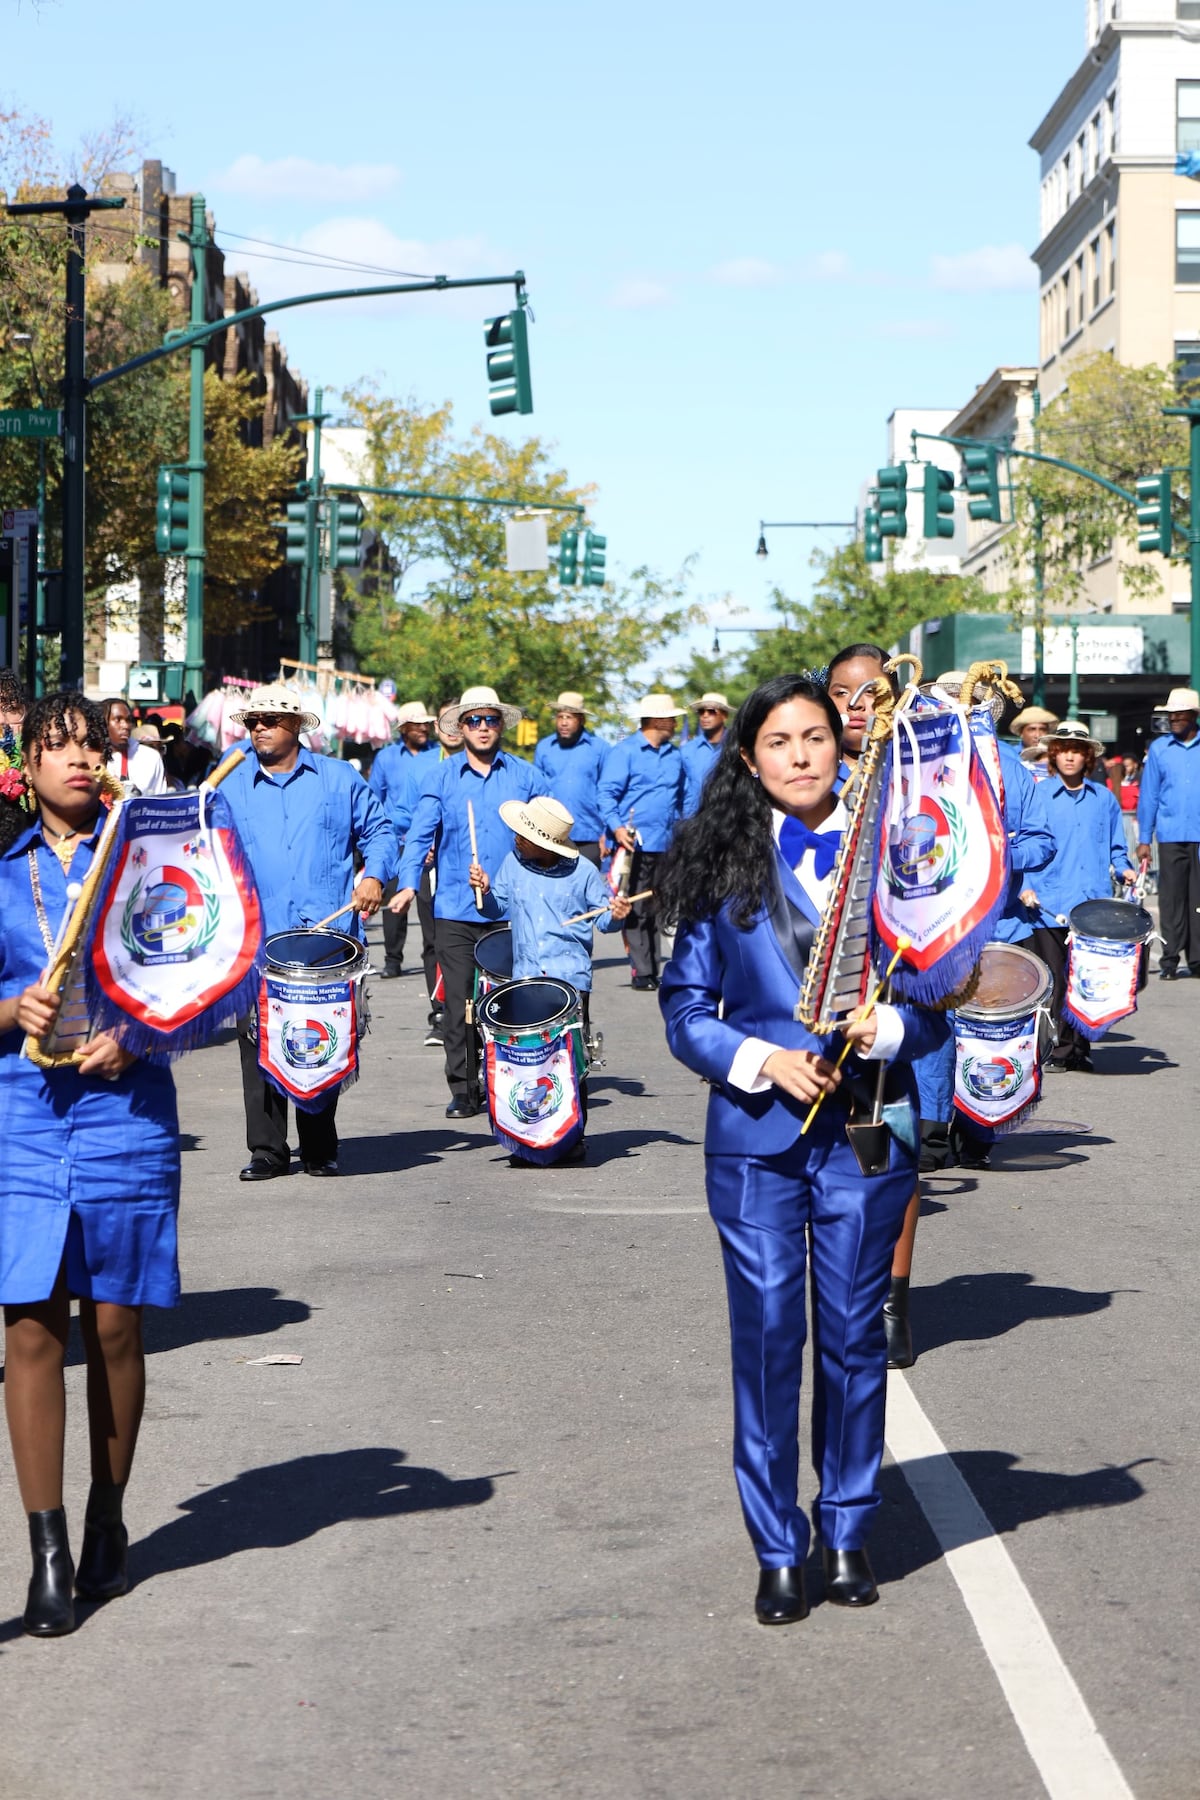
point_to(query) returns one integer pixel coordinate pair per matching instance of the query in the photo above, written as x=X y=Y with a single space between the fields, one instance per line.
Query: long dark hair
x=46 y=719
x=723 y=853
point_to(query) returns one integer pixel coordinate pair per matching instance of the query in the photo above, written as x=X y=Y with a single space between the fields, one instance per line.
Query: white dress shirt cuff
x=745 y=1071
x=889 y=1036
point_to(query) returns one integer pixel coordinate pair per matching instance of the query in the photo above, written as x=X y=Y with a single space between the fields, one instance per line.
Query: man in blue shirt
x=570 y=763
x=397 y=777
x=301 y=819
x=1169 y=809
x=701 y=752
x=641 y=800
x=474 y=782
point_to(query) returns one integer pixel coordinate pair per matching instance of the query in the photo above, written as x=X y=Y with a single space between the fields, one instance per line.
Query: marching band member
x=397 y=776
x=701 y=752
x=747 y=879
x=846 y=679
x=90 y=1186
x=641 y=799
x=1169 y=810
x=570 y=762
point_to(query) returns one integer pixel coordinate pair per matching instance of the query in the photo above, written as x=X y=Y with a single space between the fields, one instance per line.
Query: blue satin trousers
x=763 y=1207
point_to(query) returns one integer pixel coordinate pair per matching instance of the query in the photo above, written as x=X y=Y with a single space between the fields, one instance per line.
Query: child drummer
x=542 y=887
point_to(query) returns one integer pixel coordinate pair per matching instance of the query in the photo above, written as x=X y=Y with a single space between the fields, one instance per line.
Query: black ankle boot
x=102 y=1573
x=895 y=1325
x=50 y=1608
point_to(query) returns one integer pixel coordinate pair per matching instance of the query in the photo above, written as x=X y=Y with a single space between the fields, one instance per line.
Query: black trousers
x=589 y=849
x=267 y=1114
x=1050 y=943
x=455 y=942
x=1178 y=898
x=395 y=933
x=641 y=927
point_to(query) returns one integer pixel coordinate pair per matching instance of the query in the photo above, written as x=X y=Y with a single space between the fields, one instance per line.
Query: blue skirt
x=90 y=1175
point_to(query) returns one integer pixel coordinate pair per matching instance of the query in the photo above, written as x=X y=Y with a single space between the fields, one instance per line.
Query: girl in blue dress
x=89 y=1188
x=747 y=879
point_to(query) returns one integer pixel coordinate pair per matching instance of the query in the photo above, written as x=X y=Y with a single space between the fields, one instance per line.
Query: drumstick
x=321 y=923
x=902 y=944
x=474 y=852
x=646 y=894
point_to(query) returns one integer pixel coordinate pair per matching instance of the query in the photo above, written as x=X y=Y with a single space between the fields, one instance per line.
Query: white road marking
x=1060 y=1733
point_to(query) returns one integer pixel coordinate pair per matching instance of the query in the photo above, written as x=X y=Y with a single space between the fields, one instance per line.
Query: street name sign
x=27 y=422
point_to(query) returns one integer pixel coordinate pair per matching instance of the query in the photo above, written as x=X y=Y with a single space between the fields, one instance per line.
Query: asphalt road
x=484 y=1540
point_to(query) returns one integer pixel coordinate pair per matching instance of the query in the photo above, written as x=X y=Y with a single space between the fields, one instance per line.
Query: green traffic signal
x=171 y=512
x=568 y=557
x=594 y=547
x=893 y=501
x=296 y=528
x=507 y=340
x=872 y=536
x=1154 y=513
x=939 y=502
x=982 y=482
x=345 y=532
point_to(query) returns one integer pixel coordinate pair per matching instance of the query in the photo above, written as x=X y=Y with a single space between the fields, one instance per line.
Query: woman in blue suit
x=747 y=879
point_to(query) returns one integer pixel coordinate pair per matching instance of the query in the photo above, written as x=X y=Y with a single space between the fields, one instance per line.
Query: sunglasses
x=707 y=709
x=475 y=720
x=252 y=721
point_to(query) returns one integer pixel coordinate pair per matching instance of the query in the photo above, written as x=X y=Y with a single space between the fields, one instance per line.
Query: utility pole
x=197 y=238
x=310 y=605
x=1039 y=579
x=1191 y=413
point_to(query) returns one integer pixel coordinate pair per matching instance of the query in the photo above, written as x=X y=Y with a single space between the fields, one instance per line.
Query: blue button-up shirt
x=571 y=774
x=443 y=806
x=539 y=900
x=1089 y=839
x=698 y=755
x=1169 y=798
x=646 y=781
x=1030 y=843
x=397 y=777
x=300 y=831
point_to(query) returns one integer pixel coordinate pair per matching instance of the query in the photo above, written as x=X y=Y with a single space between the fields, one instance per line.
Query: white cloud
x=827 y=265
x=638 y=291
x=992 y=269
x=745 y=272
x=298 y=178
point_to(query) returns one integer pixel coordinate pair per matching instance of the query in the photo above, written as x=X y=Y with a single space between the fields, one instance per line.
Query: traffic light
x=893 y=501
x=939 y=502
x=171 y=516
x=594 y=547
x=1154 y=513
x=872 y=537
x=568 y=557
x=507 y=340
x=982 y=481
x=345 y=532
x=527 y=734
x=296 y=527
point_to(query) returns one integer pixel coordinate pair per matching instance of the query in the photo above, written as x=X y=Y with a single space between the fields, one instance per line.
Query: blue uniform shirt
x=1169 y=797
x=1089 y=839
x=571 y=774
x=397 y=777
x=300 y=832
x=646 y=781
x=538 y=899
x=698 y=759
x=1030 y=843
x=443 y=804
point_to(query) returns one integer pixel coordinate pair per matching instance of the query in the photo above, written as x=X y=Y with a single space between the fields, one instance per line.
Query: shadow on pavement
x=613 y=1146
x=201 y=1317
x=1130 y=1059
x=400 y=1151
x=973 y=1307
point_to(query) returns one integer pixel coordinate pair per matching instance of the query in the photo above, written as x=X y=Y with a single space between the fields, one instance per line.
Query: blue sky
x=749 y=232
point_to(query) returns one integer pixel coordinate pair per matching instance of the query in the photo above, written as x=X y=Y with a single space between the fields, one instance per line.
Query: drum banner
x=307 y=1038
x=533 y=1098
x=983 y=735
x=942 y=867
x=176 y=936
x=997 y=1070
x=1102 y=982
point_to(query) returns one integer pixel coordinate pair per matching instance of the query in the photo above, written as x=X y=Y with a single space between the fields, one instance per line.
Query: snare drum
x=1012 y=983
x=1121 y=921
x=534 y=1063
x=493 y=960
x=1000 y=1036
x=311 y=1012
x=1105 y=963
x=524 y=1014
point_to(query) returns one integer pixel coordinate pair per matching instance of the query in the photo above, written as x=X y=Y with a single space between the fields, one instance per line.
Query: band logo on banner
x=177 y=932
x=308 y=1038
x=997 y=1069
x=1102 y=978
x=533 y=1097
x=942 y=863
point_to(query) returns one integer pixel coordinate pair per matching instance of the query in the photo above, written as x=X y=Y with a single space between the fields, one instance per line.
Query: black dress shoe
x=50 y=1607
x=461 y=1107
x=1168 y=974
x=780 y=1599
x=103 y=1562
x=644 y=984
x=895 y=1325
x=261 y=1168
x=319 y=1168
x=848 y=1578
x=386 y=974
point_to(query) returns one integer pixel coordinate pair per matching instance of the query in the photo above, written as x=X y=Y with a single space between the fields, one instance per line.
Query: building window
x=1187 y=115
x=1187 y=9
x=1111 y=236
x=1096 y=265
x=1187 y=248
x=1066 y=305
x=1096 y=150
x=1081 y=159
x=1110 y=109
x=1187 y=364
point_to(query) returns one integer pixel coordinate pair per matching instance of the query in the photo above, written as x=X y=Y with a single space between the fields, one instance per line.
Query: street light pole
x=197 y=239
x=1039 y=575
x=1191 y=413
x=765 y=525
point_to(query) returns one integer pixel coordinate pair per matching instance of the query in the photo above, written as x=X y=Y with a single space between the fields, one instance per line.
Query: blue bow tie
x=795 y=838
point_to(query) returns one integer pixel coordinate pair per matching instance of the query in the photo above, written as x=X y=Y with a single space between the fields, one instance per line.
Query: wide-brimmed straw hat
x=275 y=698
x=545 y=822
x=415 y=712
x=1180 y=700
x=658 y=706
x=474 y=698
x=1073 y=734
x=1033 y=715
x=711 y=700
x=570 y=702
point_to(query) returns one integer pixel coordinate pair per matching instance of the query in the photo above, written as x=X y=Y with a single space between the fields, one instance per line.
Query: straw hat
x=1181 y=700
x=275 y=698
x=415 y=712
x=545 y=822
x=570 y=702
x=659 y=706
x=952 y=683
x=1033 y=715
x=472 y=699
x=711 y=700
x=1073 y=734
